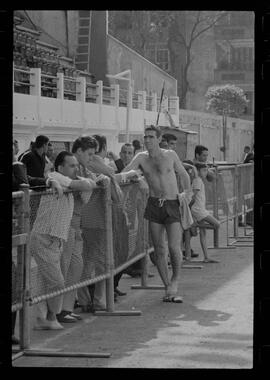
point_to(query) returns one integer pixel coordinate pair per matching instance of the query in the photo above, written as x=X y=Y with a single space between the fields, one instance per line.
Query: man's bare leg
x=158 y=237
x=174 y=232
x=187 y=244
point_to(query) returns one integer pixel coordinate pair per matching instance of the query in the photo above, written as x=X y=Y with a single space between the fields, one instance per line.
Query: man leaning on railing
x=50 y=230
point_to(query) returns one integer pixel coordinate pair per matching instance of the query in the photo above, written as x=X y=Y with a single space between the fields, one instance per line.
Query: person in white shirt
x=198 y=210
x=50 y=230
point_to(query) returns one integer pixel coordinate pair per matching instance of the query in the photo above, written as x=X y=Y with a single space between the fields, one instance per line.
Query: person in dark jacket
x=34 y=160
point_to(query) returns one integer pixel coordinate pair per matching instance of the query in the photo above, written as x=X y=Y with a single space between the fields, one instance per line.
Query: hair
x=200 y=165
x=169 y=137
x=136 y=144
x=199 y=149
x=153 y=128
x=247 y=147
x=102 y=142
x=60 y=159
x=128 y=145
x=84 y=142
x=41 y=140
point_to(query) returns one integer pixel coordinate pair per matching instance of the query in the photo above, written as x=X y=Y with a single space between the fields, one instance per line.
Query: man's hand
x=101 y=179
x=57 y=188
x=112 y=155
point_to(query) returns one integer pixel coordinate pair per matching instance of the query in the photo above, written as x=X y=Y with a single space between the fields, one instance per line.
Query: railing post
x=60 y=86
x=25 y=311
x=109 y=249
x=115 y=88
x=80 y=89
x=142 y=100
x=35 y=81
x=215 y=207
x=154 y=102
x=99 y=92
x=235 y=184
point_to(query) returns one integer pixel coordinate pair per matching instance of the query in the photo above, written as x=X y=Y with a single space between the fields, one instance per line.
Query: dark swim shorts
x=166 y=214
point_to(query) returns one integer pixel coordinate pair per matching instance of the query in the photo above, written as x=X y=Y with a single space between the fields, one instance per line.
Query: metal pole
x=235 y=220
x=215 y=207
x=109 y=248
x=25 y=312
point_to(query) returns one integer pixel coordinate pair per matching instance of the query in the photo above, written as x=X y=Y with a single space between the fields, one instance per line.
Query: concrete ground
x=213 y=328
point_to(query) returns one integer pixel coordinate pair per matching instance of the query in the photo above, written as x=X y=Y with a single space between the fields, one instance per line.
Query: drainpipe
x=67 y=36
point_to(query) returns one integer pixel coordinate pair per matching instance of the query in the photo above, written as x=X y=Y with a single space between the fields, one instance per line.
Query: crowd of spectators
x=63 y=239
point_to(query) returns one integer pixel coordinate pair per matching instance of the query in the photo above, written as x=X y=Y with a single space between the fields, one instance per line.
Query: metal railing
x=226 y=194
x=102 y=225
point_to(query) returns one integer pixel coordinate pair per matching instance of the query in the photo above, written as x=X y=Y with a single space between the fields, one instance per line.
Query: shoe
x=193 y=254
x=14 y=340
x=172 y=299
x=76 y=316
x=65 y=317
x=44 y=324
x=119 y=293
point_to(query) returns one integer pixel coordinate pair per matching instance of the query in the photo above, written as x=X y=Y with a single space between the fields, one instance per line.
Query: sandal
x=210 y=261
x=173 y=299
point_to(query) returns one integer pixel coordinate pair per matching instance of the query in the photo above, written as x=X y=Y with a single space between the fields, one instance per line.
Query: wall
x=240 y=132
x=146 y=75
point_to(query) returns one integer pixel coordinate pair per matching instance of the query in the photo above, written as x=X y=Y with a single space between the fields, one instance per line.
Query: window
x=159 y=54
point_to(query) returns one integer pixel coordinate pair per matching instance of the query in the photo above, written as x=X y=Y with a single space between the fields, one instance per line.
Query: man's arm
x=179 y=168
x=136 y=162
x=97 y=165
x=83 y=184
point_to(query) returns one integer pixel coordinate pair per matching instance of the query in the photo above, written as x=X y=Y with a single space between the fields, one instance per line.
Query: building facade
x=222 y=54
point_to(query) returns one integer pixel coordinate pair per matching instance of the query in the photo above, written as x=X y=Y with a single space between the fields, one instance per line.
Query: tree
x=181 y=41
x=178 y=29
x=226 y=100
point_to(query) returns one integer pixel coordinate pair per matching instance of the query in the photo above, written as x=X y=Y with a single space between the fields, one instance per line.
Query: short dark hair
x=129 y=145
x=102 y=142
x=153 y=128
x=199 y=149
x=84 y=142
x=41 y=140
x=247 y=147
x=169 y=137
x=200 y=165
x=60 y=159
x=136 y=144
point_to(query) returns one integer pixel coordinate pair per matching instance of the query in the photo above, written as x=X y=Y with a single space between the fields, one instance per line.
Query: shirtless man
x=162 y=210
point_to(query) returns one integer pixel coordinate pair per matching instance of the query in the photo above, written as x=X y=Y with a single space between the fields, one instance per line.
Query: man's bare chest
x=157 y=167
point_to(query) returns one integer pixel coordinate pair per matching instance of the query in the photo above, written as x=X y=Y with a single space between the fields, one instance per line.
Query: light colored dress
x=198 y=209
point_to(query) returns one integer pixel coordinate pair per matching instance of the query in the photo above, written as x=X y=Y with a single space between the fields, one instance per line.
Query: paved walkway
x=213 y=328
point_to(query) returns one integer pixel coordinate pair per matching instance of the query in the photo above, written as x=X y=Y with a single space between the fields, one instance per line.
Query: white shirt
x=199 y=204
x=54 y=214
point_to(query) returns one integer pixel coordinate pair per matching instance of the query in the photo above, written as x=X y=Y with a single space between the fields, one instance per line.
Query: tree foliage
x=227 y=100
